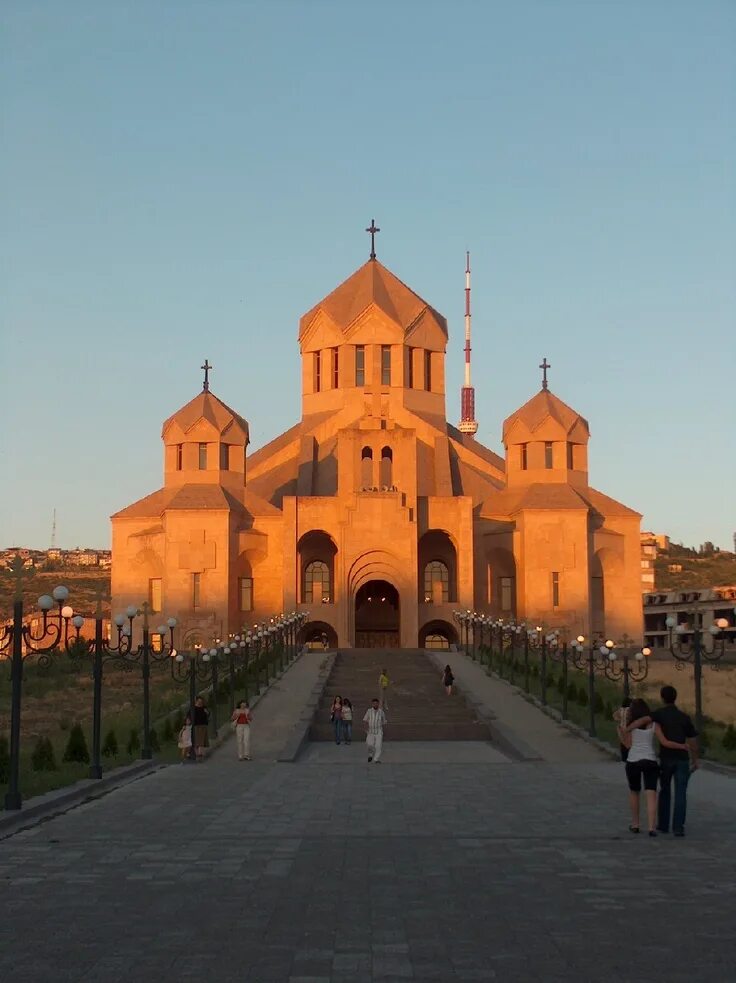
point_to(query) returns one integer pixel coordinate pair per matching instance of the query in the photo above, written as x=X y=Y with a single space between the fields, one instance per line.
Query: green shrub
x=167 y=734
x=134 y=742
x=572 y=693
x=561 y=685
x=110 y=745
x=4 y=760
x=598 y=703
x=582 y=697
x=178 y=721
x=729 y=738
x=153 y=740
x=43 y=757
x=76 y=746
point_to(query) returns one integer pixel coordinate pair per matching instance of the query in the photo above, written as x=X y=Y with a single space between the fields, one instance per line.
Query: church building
x=373 y=513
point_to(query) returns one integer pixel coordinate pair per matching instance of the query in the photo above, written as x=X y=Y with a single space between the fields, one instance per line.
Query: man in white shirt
x=375 y=721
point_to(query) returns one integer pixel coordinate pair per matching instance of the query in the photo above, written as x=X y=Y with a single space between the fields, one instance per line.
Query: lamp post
x=616 y=669
x=16 y=637
x=697 y=648
x=558 y=653
x=538 y=639
x=123 y=655
x=597 y=656
x=464 y=620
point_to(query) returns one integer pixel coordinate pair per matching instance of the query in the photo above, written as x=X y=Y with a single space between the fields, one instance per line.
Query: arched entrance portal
x=377 y=619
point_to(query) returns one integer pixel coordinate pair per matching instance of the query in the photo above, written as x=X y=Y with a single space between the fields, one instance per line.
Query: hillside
x=697 y=572
x=83 y=586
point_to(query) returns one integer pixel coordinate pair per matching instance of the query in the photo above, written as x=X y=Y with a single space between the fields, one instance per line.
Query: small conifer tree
x=582 y=697
x=178 y=721
x=134 y=742
x=167 y=734
x=153 y=740
x=43 y=758
x=729 y=738
x=76 y=746
x=110 y=745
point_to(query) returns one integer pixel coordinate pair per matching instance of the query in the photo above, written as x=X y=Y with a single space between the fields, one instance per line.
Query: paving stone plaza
x=445 y=862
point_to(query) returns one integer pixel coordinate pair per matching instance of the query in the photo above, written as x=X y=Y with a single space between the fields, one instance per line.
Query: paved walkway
x=539 y=732
x=427 y=870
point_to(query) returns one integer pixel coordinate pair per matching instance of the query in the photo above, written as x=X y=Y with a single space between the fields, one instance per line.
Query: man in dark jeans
x=675 y=765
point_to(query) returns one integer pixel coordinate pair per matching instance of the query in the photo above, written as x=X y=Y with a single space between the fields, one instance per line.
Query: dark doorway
x=377 y=621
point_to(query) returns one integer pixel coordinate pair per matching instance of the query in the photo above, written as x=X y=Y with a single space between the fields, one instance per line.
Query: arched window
x=366 y=468
x=317 y=583
x=386 y=478
x=436 y=582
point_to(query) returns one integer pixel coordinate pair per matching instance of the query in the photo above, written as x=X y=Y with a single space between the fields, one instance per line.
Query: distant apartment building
x=66 y=558
x=708 y=605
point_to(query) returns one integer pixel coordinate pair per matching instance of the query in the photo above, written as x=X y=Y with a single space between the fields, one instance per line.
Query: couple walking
x=678 y=758
x=341 y=717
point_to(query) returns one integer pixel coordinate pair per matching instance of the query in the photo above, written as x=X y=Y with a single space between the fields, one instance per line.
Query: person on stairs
x=383 y=682
x=448 y=680
x=375 y=721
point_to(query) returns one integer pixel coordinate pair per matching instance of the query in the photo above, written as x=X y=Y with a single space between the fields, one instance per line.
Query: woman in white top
x=641 y=764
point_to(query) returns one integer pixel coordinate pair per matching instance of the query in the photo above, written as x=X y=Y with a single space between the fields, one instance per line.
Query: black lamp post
x=539 y=640
x=20 y=640
x=622 y=668
x=702 y=645
x=464 y=620
x=596 y=659
x=558 y=653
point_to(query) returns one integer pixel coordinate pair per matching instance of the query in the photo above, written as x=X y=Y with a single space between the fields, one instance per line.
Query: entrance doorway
x=377 y=620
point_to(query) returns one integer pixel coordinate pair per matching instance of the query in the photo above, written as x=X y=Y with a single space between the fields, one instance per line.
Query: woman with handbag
x=241 y=720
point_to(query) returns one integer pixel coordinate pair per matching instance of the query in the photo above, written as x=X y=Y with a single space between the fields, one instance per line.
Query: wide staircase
x=418 y=707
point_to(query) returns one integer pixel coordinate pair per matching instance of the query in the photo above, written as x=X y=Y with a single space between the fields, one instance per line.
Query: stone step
x=419 y=708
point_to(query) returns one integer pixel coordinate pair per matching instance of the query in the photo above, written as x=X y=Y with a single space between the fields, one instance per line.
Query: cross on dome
x=206 y=383
x=544 y=365
x=373 y=229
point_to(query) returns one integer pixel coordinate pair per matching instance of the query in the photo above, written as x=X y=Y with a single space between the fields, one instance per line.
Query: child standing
x=185 y=739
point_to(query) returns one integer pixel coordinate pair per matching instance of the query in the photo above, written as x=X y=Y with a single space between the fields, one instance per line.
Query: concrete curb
x=299 y=737
x=50 y=804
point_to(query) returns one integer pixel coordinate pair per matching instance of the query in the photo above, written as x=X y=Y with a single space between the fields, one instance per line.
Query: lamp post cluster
x=245 y=652
x=702 y=646
x=621 y=661
x=60 y=633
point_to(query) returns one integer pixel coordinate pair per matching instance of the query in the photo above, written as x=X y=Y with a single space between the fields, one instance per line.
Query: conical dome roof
x=206 y=406
x=374 y=284
x=540 y=408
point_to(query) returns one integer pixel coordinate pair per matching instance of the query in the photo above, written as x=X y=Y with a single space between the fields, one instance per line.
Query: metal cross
x=206 y=383
x=544 y=366
x=373 y=228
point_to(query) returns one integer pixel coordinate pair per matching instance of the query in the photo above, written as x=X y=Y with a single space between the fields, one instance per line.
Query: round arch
x=316 y=552
x=437 y=634
x=437 y=562
x=311 y=635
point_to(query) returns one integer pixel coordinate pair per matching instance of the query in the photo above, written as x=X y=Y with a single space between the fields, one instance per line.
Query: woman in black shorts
x=641 y=763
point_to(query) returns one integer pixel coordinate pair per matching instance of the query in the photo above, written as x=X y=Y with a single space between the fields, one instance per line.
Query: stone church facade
x=373 y=513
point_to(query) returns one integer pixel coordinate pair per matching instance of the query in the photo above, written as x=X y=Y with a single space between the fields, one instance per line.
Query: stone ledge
x=50 y=804
x=299 y=737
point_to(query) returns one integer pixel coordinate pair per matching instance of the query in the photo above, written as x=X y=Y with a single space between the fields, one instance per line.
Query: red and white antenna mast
x=468 y=423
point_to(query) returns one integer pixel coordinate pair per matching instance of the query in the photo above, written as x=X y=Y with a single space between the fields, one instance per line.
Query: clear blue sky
x=185 y=179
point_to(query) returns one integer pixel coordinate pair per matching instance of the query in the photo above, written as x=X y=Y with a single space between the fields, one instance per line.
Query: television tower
x=53 y=531
x=468 y=423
